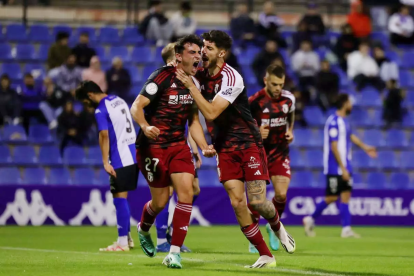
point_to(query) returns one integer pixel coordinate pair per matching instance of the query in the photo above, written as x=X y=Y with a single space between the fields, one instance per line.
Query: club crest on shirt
x=253 y=164
x=285 y=108
x=173 y=99
x=151 y=88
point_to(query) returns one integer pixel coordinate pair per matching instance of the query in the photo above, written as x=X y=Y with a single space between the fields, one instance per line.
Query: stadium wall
x=86 y=205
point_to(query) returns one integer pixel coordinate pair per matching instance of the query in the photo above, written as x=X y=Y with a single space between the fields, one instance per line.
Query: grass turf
x=217 y=250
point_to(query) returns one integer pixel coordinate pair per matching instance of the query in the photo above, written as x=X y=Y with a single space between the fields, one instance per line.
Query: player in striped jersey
x=117 y=141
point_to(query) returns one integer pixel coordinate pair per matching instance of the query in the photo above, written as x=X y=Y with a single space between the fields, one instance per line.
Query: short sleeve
x=232 y=85
x=333 y=131
x=101 y=119
x=158 y=81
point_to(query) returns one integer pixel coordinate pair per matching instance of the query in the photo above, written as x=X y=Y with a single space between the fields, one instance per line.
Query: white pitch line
x=295 y=271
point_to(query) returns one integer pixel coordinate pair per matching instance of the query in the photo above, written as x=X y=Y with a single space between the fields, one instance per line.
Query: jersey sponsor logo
x=285 y=108
x=265 y=122
x=253 y=164
x=257 y=173
x=185 y=228
x=180 y=99
x=151 y=88
x=227 y=92
x=117 y=103
x=266 y=110
x=333 y=132
x=173 y=85
x=36 y=211
x=275 y=122
x=150 y=176
x=173 y=99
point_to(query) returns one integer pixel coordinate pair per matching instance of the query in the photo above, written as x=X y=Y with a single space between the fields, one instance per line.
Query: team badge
x=151 y=88
x=285 y=108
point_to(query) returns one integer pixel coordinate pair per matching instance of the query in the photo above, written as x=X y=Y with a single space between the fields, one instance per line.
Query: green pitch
x=217 y=250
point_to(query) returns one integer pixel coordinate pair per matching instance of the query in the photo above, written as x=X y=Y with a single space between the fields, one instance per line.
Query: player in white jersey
x=338 y=139
x=117 y=141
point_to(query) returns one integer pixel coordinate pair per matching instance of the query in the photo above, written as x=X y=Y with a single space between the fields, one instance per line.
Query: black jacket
x=327 y=82
x=261 y=62
x=241 y=25
x=119 y=82
x=58 y=98
x=144 y=24
x=347 y=43
x=68 y=121
x=315 y=23
x=83 y=54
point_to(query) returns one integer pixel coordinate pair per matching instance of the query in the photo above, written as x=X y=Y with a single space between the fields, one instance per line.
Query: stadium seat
x=376 y=180
x=158 y=58
x=369 y=97
x=247 y=56
x=408 y=119
x=103 y=178
x=24 y=155
x=131 y=35
x=59 y=176
x=358 y=182
x=399 y=181
x=314 y=116
x=147 y=71
x=408 y=60
x=409 y=99
x=208 y=178
x=374 y=138
x=109 y=35
x=5 y=52
x=40 y=33
x=296 y=159
x=314 y=159
x=316 y=138
x=25 y=52
x=74 y=156
x=40 y=134
x=393 y=56
x=10 y=176
x=386 y=160
x=13 y=70
x=376 y=118
x=16 y=33
x=134 y=73
x=406 y=79
x=101 y=53
x=42 y=52
x=382 y=38
x=319 y=181
x=84 y=176
x=361 y=160
x=5 y=156
x=94 y=156
x=37 y=70
x=142 y=54
x=34 y=176
x=120 y=51
x=249 y=76
x=302 y=137
x=61 y=28
x=396 y=138
x=301 y=179
x=14 y=134
x=2 y=38
x=49 y=156
x=407 y=160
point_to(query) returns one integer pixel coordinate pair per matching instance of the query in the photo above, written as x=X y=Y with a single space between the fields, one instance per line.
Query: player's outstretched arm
x=196 y=133
x=371 y=151
x=137 y=112
x=104 y=145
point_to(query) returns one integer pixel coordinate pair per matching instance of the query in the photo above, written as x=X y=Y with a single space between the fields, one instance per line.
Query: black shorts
x=335 y=185
x=126 y=179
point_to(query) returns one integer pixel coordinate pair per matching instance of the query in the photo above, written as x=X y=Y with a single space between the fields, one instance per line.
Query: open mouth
x=195 y=64
x=205 y=58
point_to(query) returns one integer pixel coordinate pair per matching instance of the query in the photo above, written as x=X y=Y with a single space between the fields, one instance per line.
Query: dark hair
x=84 y=34
x=61 y=35
x=186 y=6
x=28 y=75
x=341 y=100
x=5 y=77
x=168 y=52
x=85 y=88
x=220 y=38
x=364 y=42
x=192 y=39
x=306 y=41
x=153 y=3
x=276 y=70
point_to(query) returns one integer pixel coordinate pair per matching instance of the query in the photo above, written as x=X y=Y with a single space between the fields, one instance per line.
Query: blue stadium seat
x=387 y=160
x=2 y=38
x=131 y=35
x=301 y=179
x=109 y=35
x=14 y=134
x=314 y=116
x=13 y=70
x=10 y=176
x=34 y=176
x=24 y=155
x=84 y=176
x=358 y=182
x=134 y=73
x=399 y=181
x=208 y=178
x=408 y=60
x=361 y=160
x=61 y=28
x=396 y=138
x=406 y=79
x=393 y=56
x=103 y=178
x=40 y=33
x=50 y=156
x=246 y=57
x=314 y=159
x=319 y=181
x=147 y=71
x=316 y=138
x=94 y=156
x=382 y=38
x=40 y=134
x=249 y=76
x=119 y=51
x=376 y=180
x=370 y=97
x=25 y=52
x=374 y=138
x=59 y=176
x=302 y=137
x=142 y=54
x=37 y=70
x=74 y=156
x=5 y=156
x=376 y=118
x=296 y=159
x=16 y=33
x=407 y=160
x=91 y=31
x=158 y=58
x=42 y=52
x=409 y=99
x=408 y=119
x=5 y=52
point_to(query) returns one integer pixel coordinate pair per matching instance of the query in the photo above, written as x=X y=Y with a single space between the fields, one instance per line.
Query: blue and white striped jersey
x=113 y=115
x=337 y=129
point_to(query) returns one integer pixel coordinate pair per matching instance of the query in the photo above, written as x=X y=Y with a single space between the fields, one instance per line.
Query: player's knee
x=158 y=206
x=257 y=205
x=331 y=199
x=238 y=202
x=280 y=196
x=185 y=196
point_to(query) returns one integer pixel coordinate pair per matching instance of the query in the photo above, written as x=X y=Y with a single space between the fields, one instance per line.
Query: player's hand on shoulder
x=345 y=175
x=289 y=136
x=264 y=131
x=184 y=78
x=109 y=169
x=209 y=151
x=172 y=63
x=151 y=132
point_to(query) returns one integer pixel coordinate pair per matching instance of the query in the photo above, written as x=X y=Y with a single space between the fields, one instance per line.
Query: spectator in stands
x=83 y=51
x=327 y=85
x=183 y=22
x=264 y=58
x=87 y=127
x=31 y=97
x=306 y=64
x=393 y=111
x=363 y=69
x=155 y=25
x=347 y=43
x=68 y=76
x=359 y=20
x=59 y=51
x=242 y=25
x=68 y=123
x=313 y=20
x=56 y=98
x=269 y=24
x=94 y=73
x=231 y=59
x=10 y=105
x=401 y=27
x=388 y=68
x=118 y=79
x=300 y=35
